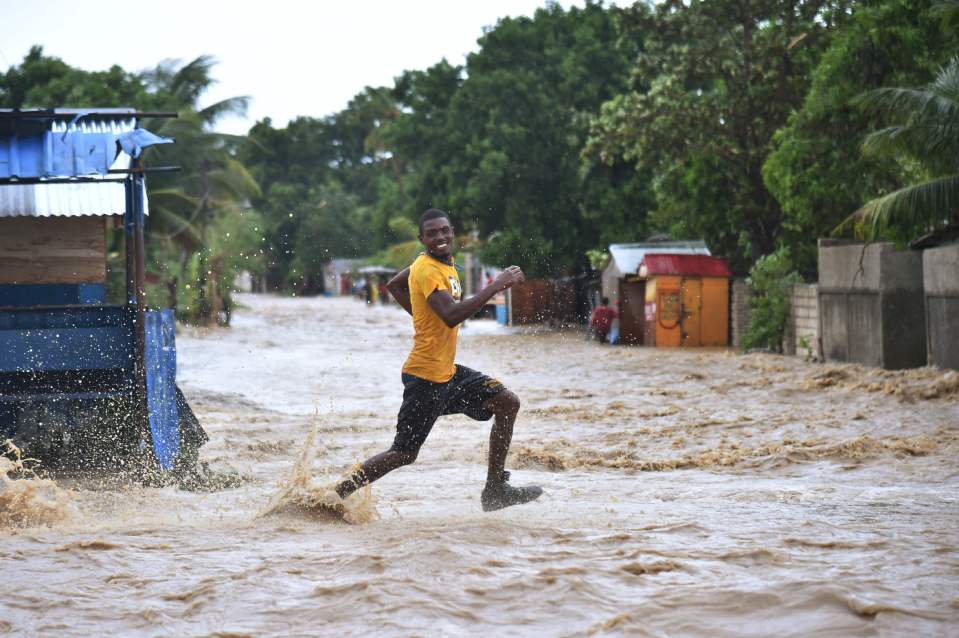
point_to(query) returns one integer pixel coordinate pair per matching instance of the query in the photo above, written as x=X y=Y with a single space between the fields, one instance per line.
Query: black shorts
x=425 y=401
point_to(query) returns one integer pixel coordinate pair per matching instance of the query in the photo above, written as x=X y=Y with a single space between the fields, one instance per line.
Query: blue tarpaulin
x=42 y=144
x=133 y=142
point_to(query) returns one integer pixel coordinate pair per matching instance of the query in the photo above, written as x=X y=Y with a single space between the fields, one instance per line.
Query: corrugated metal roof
x=684 y=264
x=38 y=145
x=627 y=257
x=62 y=200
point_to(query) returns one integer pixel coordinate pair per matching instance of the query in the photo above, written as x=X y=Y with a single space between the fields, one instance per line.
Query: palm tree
x=189 y=209
x=948 y=10
x=210 y=177
x=923 y=130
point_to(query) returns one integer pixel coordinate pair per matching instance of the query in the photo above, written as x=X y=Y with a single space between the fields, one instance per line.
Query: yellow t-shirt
x=434 y=343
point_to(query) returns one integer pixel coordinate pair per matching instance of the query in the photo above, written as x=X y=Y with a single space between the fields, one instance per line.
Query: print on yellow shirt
x=434 y=343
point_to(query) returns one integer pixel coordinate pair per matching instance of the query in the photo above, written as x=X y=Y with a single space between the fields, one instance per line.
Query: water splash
x=301 y=495
x=29 y=501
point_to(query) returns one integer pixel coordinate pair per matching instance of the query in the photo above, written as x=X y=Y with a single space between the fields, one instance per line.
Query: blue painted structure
x=66 y=357
x=51 y=294
x=55 y=338
x=63 y=142
x=161 y=386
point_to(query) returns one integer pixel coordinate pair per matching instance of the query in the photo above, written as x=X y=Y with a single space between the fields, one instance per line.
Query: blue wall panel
x=64 y=349
x=91 y=338
x=92 y=316
x=160 y=356
x=51 y=294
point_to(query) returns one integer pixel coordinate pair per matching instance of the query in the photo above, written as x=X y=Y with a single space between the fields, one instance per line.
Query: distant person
x=384 y=292
x=602 y=320
x=433 y=384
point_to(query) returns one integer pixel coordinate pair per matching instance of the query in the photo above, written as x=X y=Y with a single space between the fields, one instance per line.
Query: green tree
x=923 y=129
x=816 y=170
x=418 y=136
x=326 y=231
x=516 y=129
x=287 y=163
x=344 y=158
x=713 y=82
x=499 y=143
x=47 y=82
x=200 y=221
x=771 y=279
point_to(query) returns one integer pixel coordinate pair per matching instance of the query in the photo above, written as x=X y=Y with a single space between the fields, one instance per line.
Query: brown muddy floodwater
x=688 y=493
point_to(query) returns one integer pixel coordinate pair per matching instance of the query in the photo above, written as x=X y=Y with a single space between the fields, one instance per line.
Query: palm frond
x=932 y=204
x=171 y=196
x=192 y=79
x=948 y=10
x=230 y=106
x=233 y=183
x=938 y=141
x=924 y=121
x=228 y=139
x=174 y=224
x=939 y=98
x=250 y=187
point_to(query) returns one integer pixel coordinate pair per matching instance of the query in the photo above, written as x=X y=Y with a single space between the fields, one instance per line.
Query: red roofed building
x=686 y=300
x=684 y=265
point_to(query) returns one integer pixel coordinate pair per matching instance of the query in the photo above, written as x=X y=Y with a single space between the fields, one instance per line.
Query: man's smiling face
x=437 y=236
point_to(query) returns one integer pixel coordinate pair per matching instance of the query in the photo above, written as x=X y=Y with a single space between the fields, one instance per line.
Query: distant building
x=685 y=302
x=625 y=259
x=338 y=276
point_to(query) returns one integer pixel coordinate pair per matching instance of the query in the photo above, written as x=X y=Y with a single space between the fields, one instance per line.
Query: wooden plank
x=52 y=250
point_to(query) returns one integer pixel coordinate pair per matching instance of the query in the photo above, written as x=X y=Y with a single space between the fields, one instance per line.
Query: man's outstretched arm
x=399 y=287
x=453 y=313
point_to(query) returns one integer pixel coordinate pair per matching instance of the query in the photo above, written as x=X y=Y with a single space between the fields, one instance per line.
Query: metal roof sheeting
x=41 y=146
x=62 y=200
x=679 y=264
x=627 y=257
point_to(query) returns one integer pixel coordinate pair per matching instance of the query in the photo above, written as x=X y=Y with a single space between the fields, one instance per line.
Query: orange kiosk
x=687 y=300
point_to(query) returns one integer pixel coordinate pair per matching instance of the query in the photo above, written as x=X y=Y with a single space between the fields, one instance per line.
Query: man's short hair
x=432 y=213
x=605 y=301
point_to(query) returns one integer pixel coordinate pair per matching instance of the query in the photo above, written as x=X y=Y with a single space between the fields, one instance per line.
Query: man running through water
x=433 y=383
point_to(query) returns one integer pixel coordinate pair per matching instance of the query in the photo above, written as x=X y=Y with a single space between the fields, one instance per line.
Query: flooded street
x=687 y=493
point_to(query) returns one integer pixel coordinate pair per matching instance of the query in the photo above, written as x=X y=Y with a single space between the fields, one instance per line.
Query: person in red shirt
x=601 y=321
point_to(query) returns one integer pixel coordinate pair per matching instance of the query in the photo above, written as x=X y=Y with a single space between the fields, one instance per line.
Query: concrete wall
x=940 y=268
x=802 y=329
x=740 y=314
x=871 y=304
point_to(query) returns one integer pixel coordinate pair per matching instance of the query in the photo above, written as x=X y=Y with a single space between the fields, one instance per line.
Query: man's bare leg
x=504 y=407
x=373 y=468
x=498 y=493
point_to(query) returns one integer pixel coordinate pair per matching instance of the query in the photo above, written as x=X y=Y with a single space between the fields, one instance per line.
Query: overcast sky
x=292 y=58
